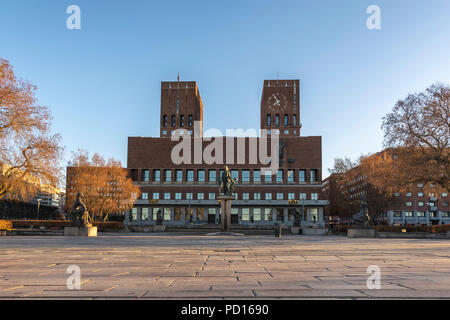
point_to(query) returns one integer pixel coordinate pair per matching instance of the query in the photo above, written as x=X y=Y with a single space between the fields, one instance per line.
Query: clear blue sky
x=102 y=83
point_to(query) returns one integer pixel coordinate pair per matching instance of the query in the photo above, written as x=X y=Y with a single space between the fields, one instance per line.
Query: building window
x=314 y=196
x=182 y=120
x=302 y=196
x=257 y=196
x=397 y=214
x=134 y=214
x=409 y=194
x=280 y=196
x=286 y=120
x=155 y=195
x=245 y=175
x=144 y=214
x=173 y=121
x=256 y=176
x=280 y=176
x=268 y=214
x=165 y=121
x=189 y=196
x=201 y=175
x=144 y=196
x=191 y=123
x=212 y=176
x=444 y=203
x=190 y=175
x=167 y=213
x=294 y=120
x=421 y=204
x=235 y=174
x=179 y=175
x=268 y=196
x=256 y=214
x=167 y=196
x=409 y=214
x=444 y=195
x=235 y=195
x=267 y=176
x=313 y=175
x=212 y=196
x=200 y=196
x=421 y=214
x=269 y=120
x=155 y=214
x=146 y=175
x=445 y=214
x=277 y=120
x=302 y=175
x=245 y=196
x=245 y=214
x=291 y=196
x=409 y=204
x=420 y=194
x=156 y=175
x=168 y=175
x=178 y=196
x=290 y=176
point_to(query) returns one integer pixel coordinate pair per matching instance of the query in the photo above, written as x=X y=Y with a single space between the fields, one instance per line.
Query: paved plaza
x=180 y=266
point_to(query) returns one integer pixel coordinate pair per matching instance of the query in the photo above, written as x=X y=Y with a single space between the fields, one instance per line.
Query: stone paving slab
x=173 y=266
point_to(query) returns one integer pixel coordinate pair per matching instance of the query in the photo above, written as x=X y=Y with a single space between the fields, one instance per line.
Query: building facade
x=183 y=184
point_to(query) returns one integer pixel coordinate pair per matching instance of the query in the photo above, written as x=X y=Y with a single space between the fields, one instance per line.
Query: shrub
x=5 y=225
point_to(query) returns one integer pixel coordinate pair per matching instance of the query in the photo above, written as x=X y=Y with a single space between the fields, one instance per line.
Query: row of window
x=182 y=120
x=420 y=214
x=244 y=176
x=286 y=121
x=421 y=194
x=247 y=214
x=430 y=204
x=244 y=196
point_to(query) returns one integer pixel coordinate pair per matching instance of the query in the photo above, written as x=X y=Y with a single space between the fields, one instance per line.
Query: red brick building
x=186 y=191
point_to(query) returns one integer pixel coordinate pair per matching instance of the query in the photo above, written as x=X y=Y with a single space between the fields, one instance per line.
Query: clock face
x=277 y=102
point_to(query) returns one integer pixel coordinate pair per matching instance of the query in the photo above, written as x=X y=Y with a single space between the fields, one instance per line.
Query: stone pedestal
x=80 y=231
x=225 y=210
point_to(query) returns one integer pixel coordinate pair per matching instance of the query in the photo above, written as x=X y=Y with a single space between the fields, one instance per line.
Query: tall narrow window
x=257 y=176
x=212 y=176
x=245 y=175
x=268 y=120
x=182 y=120
x=190 y=175
x=165 y=120
x=286 y=120
x=173 y=121
x=313 y=175
x=191 y=123
x=277 y=120
x=178 y=105
x=280 y=176
x=157 y=175
x=294 y=120
x=168 y=175
x=179 y=175
x=302 y=176
x=201 y=175
x=146 y=175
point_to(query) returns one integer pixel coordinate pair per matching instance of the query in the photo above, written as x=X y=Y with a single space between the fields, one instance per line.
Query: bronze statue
x=227 y=183
x=79 y=214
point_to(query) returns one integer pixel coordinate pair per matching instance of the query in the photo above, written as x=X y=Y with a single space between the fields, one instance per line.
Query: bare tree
x=418 y=131
x=29 y=153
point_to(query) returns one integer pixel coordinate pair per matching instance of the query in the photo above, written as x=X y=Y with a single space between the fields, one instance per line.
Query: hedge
x=6 y=225
x=59 y=224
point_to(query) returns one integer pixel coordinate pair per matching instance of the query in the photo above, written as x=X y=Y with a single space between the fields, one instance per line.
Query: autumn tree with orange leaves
x=29 y=153
x=104 y=185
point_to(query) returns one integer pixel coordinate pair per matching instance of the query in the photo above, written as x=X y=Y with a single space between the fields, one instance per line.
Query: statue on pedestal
x=79 y=214
x=227 y=183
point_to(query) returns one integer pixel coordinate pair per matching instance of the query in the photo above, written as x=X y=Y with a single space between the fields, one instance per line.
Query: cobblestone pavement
x=204 y=267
